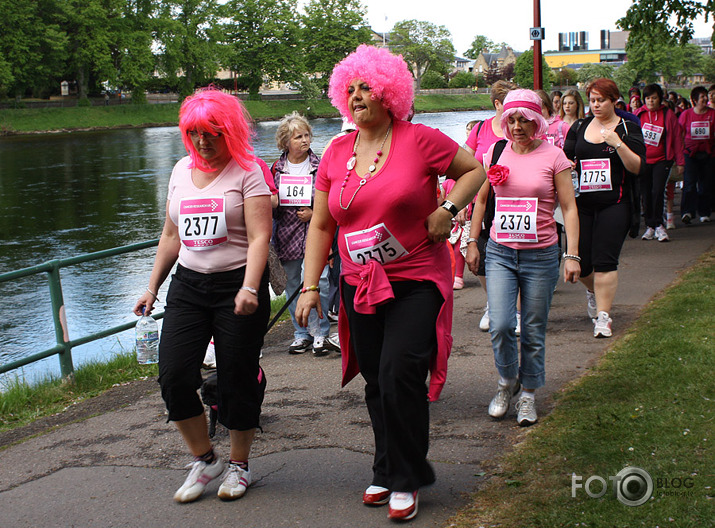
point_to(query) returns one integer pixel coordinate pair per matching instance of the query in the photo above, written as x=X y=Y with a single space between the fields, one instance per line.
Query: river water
x=64 y=195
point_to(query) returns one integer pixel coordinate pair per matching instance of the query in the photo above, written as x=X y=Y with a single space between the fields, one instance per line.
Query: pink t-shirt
x=699 y=131
x=480 y=143
x=200 y=215
x=531 y=176
x=556 y=134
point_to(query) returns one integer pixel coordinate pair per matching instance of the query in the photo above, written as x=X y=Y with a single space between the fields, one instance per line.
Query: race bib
x=596 y=175
x=652 y=134
x=295 y=190
x=202 y=222
x=700 y=129
x=374 y=243
x=515 y=219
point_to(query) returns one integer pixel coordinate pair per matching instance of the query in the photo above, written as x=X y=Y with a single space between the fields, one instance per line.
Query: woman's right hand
x=146 y=301
x=306 y=302
x=472 y=257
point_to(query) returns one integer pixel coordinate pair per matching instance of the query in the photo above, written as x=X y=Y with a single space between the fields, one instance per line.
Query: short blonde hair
x=287 y=127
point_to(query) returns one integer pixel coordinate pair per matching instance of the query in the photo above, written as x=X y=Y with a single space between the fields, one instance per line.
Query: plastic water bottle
x=147 y=332
x=576 y=183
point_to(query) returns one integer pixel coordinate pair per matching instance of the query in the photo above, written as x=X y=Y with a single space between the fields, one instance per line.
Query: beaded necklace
x=350 y=165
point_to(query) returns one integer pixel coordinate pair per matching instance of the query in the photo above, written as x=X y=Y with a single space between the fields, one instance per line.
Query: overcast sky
x=507 y=20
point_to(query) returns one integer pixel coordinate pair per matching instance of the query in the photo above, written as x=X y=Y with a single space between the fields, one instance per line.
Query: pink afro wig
x=388 y=76
x=210 y=110
x=528 y=104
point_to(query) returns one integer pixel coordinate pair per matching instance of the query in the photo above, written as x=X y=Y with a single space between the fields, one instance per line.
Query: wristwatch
x=449 y=206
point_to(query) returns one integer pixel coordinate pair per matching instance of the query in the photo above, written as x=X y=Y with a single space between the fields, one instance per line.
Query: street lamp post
x=538 y=80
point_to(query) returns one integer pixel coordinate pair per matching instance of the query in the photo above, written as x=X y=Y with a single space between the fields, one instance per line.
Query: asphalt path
x=114 y=461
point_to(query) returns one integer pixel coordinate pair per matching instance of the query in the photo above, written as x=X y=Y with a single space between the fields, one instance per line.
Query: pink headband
x=523 y=104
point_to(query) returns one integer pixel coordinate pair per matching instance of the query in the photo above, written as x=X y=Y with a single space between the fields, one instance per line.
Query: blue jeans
x=294 y=276
x=534 y=273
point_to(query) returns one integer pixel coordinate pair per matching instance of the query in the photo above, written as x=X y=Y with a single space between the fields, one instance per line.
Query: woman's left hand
x=246 y=303
x=572 y=270
x=304 y=214
x=306 y=302
x=439 y=225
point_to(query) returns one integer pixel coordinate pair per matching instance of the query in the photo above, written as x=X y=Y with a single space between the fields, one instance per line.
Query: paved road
x=118 y=462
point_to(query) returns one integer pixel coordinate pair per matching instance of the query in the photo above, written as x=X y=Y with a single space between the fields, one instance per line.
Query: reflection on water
x=65 y=195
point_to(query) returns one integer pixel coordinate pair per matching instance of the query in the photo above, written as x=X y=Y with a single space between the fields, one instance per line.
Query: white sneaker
x=649 y=234
x=517 y=330
x=235 y=483
x=591 y=304
x=602 y=325
x=661 y=234
x=499 y=405
x=526 y=411
x=704 y=219
x=670 y=224
x=201 y=474
x=484 y=323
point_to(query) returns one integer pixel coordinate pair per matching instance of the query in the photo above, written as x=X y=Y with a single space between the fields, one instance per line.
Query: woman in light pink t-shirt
x=522 y=251
x=218 y=226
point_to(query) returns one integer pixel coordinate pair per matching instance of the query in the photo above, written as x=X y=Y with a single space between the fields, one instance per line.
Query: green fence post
x=60 y=319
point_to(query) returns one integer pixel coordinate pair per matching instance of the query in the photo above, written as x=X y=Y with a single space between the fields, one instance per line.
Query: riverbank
x=75 y=119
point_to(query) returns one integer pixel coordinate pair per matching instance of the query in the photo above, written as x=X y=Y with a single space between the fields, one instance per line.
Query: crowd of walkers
x=548 y=182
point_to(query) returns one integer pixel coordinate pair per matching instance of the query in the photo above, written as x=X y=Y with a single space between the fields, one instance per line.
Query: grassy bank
x=647 y=404
x=21 y=403
x=32 y=120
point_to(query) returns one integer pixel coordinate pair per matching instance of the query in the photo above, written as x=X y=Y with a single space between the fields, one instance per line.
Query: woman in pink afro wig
x=388 y=76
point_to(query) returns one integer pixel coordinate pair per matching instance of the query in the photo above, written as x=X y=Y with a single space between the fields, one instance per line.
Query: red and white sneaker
x=403 y=505
x=376 y=496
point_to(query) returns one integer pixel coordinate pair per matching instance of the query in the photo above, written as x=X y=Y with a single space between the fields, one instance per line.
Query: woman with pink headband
x=218 y=226
x=523 y=251
x=379 y=185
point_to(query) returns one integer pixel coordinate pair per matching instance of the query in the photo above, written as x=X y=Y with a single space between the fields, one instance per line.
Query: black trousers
x=199 y=306
x=393 y=348
x=653 y=181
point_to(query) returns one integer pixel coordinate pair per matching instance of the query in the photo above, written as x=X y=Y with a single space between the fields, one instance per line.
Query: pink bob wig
x=210 y=110
x=528 y=104
x=387 y=75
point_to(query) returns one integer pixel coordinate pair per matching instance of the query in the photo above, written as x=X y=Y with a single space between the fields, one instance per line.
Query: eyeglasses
x=207 y=136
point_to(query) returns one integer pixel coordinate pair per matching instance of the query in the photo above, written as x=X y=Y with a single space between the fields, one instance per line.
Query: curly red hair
x=389 y=78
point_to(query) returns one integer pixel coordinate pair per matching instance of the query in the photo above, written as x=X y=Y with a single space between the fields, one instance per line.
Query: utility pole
x=538 y=80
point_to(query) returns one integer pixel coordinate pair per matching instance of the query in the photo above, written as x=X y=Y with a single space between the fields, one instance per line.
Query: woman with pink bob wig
x=215 y=112
x=523 y=250
x=218 y=227
x=379 y=183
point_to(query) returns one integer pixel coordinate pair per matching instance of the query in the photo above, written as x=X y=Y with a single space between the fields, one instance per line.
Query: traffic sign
x=536 y=33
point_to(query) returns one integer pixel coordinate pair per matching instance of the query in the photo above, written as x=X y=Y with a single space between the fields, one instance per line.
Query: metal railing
x=64 y=343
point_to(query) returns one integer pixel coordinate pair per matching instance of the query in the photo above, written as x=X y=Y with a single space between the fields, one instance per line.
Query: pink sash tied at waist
x=373 y=289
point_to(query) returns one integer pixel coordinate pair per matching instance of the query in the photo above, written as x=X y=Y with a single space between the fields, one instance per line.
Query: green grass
x=648 y=403
x=26 y=120
x=22 y=403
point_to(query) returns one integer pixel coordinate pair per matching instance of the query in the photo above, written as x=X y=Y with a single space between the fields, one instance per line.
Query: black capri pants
x=198 y=306
x=394 y=348
x=602 y=231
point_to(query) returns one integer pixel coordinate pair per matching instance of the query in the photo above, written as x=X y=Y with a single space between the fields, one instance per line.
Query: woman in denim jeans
x=522 y=253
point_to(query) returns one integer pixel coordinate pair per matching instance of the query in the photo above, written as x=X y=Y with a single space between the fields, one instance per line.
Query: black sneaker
x=299 y=346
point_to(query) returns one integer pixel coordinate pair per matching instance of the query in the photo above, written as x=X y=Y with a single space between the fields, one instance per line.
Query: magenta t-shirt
x=199 y=214
x=699 y=131
x=480 y=143
x=531 y=176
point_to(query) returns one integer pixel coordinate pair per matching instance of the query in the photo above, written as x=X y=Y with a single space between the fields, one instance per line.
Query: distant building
x=494 y=61
x=574 y=49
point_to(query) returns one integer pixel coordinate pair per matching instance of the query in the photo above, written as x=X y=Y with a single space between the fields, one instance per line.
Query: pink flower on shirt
x=498 y=174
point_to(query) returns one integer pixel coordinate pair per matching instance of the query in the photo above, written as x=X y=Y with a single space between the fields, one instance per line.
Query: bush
x=463 y=80
x=432 y=80
x=481 y=81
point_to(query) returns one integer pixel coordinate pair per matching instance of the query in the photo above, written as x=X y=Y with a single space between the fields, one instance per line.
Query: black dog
x=209 y=395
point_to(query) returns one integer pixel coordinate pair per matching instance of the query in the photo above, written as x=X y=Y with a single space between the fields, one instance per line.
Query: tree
x=263 y=38
x=331 y=30
x=664 y=20
x=481 y=44
x=524 y=71
x=625 y=77
x=708 y=67
x=422 y=44
x=463 y=80
x=566 y=77
x=589 y=72
x=189 y=42
x=432 y=80
x=670 y=60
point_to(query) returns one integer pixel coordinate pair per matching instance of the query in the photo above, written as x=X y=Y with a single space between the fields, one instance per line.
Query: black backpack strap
x=498 y=149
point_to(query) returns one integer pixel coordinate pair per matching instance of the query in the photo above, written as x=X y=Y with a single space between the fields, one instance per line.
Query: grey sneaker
x=201 y=474
x=235 y=483
x=649 y=234
x=602 y=325
x=322 y=346
x=591 y=304
x=499 y=405
x=526 y=411
x=661 y=234
x=299 y=346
